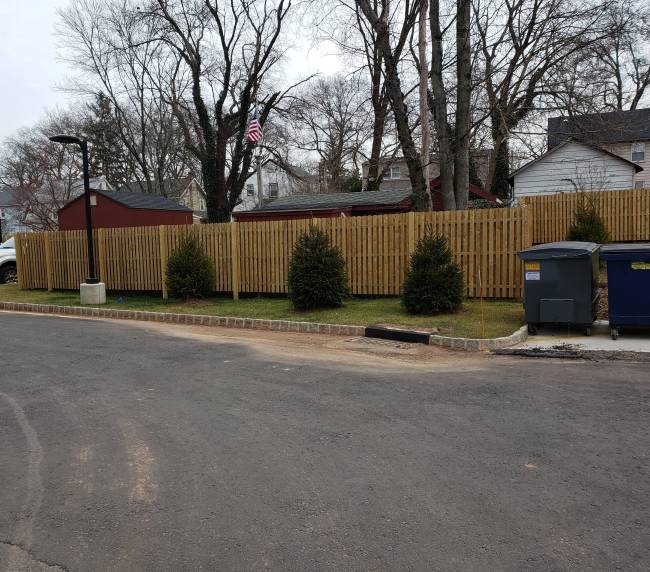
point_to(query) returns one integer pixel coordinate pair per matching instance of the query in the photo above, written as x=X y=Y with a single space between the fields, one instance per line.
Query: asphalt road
x=125 y=448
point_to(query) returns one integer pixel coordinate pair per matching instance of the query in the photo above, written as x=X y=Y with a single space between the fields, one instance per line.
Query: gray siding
x=570 y=166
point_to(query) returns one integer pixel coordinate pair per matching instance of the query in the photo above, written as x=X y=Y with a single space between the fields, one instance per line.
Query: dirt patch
x=602 y=312
x=414 y=329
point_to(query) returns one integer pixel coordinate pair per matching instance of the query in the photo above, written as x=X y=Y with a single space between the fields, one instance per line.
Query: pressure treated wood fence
x=626 y=214
x=253 y=257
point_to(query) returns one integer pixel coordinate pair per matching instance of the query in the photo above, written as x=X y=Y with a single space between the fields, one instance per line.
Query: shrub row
x=318 y=278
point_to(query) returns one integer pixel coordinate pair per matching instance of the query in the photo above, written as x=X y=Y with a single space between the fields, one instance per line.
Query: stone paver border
x=480 y=344
x=187 y=319
x=468 y=344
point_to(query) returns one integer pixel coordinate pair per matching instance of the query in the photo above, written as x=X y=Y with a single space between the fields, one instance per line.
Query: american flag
x=254 y=128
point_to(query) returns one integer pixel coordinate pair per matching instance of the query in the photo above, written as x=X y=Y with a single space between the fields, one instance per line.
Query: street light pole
x=92 y=291
x=92 y=277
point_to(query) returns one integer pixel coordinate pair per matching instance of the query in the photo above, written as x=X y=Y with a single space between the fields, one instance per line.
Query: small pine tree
x=190 y=273
x=588 y=225
x=317 y=275
x=434 y=282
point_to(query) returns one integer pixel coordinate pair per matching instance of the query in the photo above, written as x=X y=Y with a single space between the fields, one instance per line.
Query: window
x=391 y=173
x=250 y=190
x=273 y=190
x=638 y=152
x=640 y=184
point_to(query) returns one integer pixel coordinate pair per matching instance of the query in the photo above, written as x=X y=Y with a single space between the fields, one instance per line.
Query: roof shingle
x=143 y=201
x=595 y=128
x=336 y=201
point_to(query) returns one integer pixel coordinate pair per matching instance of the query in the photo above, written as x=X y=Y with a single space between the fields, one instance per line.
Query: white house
x=624 y=133
x=574 y=166
x=277 y=181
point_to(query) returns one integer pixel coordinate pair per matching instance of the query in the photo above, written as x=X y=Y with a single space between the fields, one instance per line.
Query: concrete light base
x=93 y=294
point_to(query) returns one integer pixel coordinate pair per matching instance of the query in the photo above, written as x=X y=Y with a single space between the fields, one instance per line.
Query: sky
x=29 y=69
x=31 y=73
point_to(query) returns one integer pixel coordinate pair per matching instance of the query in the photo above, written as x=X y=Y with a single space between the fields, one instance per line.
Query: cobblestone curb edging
x=478 y=344
x=187 y=319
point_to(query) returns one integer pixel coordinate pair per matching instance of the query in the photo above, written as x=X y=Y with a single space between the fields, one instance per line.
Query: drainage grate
x=382 y=343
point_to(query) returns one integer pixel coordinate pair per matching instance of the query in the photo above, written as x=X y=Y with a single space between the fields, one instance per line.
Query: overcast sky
x=31 y=73
x=28 y=66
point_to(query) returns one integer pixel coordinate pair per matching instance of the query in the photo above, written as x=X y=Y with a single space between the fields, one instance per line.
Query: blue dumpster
x=628 y=278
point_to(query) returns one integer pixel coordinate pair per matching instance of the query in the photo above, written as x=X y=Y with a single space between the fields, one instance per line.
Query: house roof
x=475 y=190
x=328 y=201
x=636 y=167
x=7 y=198
x=170 y=188
x=613 y=127
x=137 y=201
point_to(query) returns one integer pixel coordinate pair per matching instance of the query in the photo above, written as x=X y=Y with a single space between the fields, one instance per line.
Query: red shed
x=475 y=193
x=119 y=209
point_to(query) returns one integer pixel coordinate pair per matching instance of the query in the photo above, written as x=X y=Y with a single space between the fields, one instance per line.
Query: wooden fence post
x=49 y=268
x=411 y=235
x=101 y=253
x=234 y=258
x=162 y=234
x=528 y=221
x=19 y=260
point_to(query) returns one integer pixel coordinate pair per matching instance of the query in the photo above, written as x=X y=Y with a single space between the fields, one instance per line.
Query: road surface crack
x=24 y=557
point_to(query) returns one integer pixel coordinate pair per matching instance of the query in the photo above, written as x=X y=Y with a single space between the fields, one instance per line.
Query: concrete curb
x=468 y=344
x=480 y=344
x=187 y=319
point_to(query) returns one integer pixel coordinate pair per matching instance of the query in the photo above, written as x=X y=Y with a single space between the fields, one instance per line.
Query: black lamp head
x=65 y=139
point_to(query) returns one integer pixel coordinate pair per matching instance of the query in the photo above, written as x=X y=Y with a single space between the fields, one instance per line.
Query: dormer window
x=638 y=152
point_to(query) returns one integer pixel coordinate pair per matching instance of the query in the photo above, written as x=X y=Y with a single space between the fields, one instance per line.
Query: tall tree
x=463 y=98
x=330 y=119
x=44 y=175
x=521 y=45
x=378 y=18
x=224 y=54
x=444 y=133
x=108 y=156
x=114 y=49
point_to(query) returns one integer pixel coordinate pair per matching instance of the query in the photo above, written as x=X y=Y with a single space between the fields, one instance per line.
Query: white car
x=8 y=272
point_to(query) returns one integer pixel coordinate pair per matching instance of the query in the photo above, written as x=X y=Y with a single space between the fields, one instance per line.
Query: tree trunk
x=464 y=90
x=421 y=197
x=425 y=145
x=498 y=173
x=445 y=149
x=374 y=167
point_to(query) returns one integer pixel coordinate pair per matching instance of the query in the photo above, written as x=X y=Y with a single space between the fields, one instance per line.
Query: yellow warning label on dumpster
x=641 y=266
x=533 y=266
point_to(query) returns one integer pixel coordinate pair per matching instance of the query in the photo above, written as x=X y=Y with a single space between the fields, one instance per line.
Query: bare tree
x=110 y=44
x=521 y=45
x=378 y=19
x=330 y=119
x=622 y=56
x=43 y=175
x=225 y=53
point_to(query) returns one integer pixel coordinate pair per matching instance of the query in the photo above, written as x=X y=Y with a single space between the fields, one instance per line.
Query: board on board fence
x=253 y=257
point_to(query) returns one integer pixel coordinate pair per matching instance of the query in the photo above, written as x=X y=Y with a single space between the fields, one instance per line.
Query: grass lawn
x=501 y=317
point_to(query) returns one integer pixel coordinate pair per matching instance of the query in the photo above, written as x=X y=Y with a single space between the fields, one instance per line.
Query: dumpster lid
x=564 y=249
x=642 y=247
